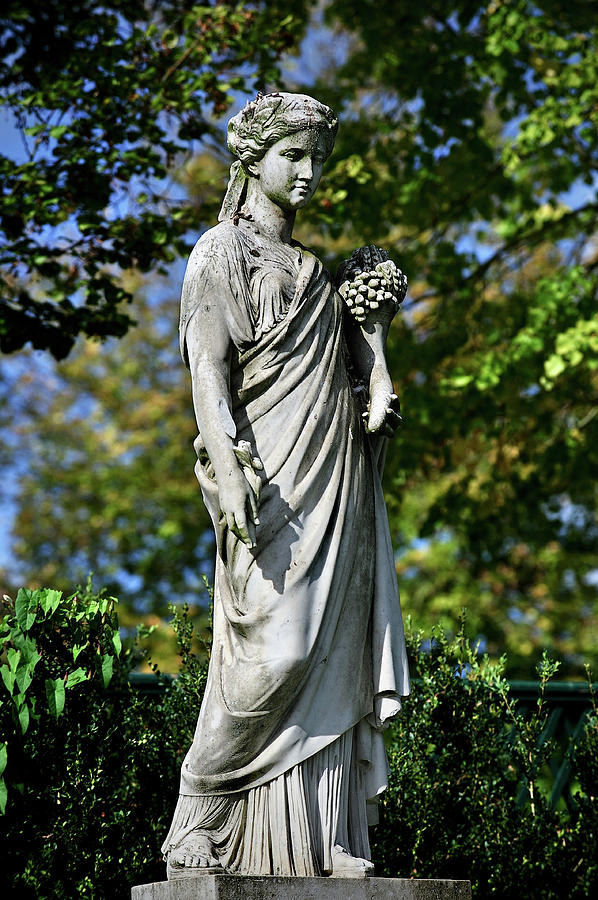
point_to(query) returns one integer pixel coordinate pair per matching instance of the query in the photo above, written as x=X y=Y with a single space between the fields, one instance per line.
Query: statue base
x=272 y=887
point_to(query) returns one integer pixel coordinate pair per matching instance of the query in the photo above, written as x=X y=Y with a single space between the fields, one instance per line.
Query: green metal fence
x=567 y=704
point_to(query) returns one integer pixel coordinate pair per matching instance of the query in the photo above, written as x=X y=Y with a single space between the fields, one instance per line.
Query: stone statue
x=293 y=400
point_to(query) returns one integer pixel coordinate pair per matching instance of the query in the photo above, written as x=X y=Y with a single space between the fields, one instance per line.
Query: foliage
x=91 y=785
x=468 y=145
x=51 y=646
x=107 y=97
x=109 y=483
x=467 y=796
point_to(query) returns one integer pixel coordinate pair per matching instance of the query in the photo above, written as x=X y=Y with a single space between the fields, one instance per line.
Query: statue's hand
x=238 y=503
x=383 y=413
x=384 y=416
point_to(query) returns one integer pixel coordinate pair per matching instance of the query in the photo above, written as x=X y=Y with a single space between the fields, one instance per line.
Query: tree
x=469 y=146
x=108 y=97
x=108 y=485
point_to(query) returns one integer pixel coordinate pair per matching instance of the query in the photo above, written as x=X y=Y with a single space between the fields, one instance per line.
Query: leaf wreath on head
x=258 y=114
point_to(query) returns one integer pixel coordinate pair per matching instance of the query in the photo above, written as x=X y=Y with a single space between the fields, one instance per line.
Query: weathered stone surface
x=294 y=403
x=239 y=887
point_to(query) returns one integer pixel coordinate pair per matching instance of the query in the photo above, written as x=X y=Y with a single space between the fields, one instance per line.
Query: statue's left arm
x=366 y=344
x=372 y=289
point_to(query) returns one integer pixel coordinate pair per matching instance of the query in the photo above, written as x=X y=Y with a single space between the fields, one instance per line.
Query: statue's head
x=266 y=133
x=272 y=117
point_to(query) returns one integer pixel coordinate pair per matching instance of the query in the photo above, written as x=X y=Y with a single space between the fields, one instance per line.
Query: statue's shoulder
x=216 y=264
x=217 y=254
x=224 y=239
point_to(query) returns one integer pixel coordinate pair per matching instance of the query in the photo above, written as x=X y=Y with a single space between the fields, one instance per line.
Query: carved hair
x=263 y=122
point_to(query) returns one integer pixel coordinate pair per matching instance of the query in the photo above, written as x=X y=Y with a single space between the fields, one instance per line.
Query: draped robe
x=308 y=639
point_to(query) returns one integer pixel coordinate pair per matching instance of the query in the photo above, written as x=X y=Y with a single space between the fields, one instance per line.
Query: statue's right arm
x=209 y=347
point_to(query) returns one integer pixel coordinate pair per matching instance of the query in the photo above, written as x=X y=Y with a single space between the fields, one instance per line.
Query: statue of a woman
x=308 y=660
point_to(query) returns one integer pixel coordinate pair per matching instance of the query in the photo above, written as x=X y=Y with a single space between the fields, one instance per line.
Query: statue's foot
x=194 y=856
x=346 y=866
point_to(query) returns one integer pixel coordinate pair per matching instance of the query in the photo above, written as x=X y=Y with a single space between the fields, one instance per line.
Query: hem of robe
x=289 y=825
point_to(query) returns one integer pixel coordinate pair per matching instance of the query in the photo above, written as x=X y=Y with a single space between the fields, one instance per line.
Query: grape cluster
x=369 y=280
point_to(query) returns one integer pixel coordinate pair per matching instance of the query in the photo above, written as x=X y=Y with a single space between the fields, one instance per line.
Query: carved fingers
x=383 y=415
x=242 y=526
x=241 y=516
x=239 y=495
x=393 y=418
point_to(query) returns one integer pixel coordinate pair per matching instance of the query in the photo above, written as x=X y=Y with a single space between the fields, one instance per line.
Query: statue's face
x=290 y=171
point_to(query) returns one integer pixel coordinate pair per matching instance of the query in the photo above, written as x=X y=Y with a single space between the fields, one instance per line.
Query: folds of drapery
x=308 y=640
x=287 y=826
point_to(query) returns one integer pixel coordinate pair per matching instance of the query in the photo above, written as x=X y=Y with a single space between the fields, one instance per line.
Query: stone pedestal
x=244 y=887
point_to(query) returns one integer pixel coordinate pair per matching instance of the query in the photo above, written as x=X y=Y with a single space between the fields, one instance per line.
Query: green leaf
x=13 y=656
x=3 y=757
x=76 y=677
x=28 y=649
x=24 y=677
x=170 y=39
x=3 y=795
x=460 y=381
x=116 y=643
x=55 y=695
x=8 y=678
x=49 y=600
x=25 y=608
x=554 y=365
x=58 y=130
x=36 y=129
x=23 y=715
x=107 y=668
x=77 y=649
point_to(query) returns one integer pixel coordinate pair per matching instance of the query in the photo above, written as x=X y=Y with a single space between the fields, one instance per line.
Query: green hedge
x=90 y=791
x=89 y=766
x=469 y=794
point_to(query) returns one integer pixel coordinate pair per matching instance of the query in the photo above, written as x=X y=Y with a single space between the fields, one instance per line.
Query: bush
x=466 y=797
x=91 y=766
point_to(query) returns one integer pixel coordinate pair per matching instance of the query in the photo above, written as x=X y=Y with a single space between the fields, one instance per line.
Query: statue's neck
x=269 y=217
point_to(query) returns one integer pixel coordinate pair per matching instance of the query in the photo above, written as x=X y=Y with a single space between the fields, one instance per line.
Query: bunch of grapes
x=368 y=281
